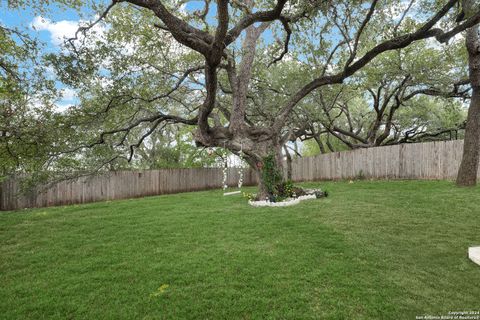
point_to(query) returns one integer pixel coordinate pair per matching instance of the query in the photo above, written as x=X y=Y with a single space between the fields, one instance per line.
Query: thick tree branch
x=288 y=32
x=249 y=19
x=400 y=42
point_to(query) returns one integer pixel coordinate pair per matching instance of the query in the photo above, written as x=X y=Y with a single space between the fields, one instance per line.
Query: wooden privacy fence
x=119 y=185
x=430 y=160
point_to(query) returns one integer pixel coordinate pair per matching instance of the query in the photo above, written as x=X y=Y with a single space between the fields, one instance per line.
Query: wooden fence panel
x=119 y=185
x=430 y=160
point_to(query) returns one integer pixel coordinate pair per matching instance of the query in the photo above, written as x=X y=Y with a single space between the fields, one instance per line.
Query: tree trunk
x=267 y=161
x=467 y=174
x=289 y=162
x=329 y=145
x=320 y=144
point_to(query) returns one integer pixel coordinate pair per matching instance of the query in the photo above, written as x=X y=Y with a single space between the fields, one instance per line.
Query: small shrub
x=361 y=175
x=321 y=194
x=286 y=189
x=250 y=196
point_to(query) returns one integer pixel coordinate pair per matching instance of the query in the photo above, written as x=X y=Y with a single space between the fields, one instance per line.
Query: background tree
x=172 y=147
x=26 y=104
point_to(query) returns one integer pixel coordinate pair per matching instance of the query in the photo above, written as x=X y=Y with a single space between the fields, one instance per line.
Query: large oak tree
x=208 y=72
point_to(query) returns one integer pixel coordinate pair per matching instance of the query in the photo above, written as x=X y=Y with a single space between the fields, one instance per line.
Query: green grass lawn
x=371 y=250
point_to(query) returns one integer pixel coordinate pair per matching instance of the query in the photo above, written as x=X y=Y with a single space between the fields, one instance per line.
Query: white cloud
x=69 y=94
x=396 y=12
x=180 y=6
x=59 y=31
x=433 y=44
x=69 y=99
x=50 y=72
x=63 y=29
x=62 y=107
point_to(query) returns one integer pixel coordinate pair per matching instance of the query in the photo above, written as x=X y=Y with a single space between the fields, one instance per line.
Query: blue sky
x=52 y=26
x=59 y=20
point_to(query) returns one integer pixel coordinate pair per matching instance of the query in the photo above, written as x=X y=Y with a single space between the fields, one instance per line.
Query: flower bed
x=310 y=194
x=285 y=203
